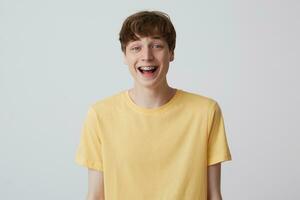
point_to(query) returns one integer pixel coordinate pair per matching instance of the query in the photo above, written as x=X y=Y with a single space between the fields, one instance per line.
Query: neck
x=151 y=97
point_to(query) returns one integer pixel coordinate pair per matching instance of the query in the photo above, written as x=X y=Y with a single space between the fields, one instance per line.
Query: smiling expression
x=148 y=54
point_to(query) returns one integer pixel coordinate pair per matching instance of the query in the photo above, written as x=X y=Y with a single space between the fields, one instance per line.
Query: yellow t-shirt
x=154 y=154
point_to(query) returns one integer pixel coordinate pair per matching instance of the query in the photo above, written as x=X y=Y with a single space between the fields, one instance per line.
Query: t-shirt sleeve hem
x=89 y=164
x=219 y=159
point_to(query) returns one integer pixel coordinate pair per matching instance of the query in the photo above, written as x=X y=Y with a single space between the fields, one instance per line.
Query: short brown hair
x=147 y=23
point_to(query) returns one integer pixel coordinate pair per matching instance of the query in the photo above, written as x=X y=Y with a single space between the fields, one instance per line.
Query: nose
x=147 y=54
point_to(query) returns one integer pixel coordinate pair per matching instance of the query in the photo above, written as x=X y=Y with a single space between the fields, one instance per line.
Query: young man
x=153 y=142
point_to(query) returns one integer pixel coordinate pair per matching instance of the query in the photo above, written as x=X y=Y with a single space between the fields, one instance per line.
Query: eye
x=135 y=48
x=157 y=46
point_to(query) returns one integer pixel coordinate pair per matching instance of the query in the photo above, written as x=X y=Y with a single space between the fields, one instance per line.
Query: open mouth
x=147 y=69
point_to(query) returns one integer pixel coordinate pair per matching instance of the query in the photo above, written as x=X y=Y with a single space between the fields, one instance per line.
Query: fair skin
x=214 y=182
x=151 y=92
x=149 y=51
x=95 y=185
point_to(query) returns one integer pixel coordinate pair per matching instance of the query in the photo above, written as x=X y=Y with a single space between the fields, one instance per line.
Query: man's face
x=148 y=60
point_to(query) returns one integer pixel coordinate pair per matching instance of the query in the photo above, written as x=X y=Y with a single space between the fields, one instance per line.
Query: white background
x=57 y=57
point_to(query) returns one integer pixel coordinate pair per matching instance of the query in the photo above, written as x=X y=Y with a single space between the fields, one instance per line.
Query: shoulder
x=199 y=100
x=202 y=105
x=108 y=104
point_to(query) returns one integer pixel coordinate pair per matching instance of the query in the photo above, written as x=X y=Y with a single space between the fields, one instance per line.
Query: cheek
x=166 y=59
x=132 y=65
x=129 y=61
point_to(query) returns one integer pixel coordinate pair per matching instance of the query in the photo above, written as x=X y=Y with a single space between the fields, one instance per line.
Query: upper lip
x=147 y=66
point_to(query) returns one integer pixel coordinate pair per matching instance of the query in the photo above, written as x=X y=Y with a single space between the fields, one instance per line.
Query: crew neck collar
x=145 y=110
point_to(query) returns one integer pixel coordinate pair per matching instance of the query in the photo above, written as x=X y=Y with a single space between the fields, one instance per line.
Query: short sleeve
x=89 y=151
x=218 y=149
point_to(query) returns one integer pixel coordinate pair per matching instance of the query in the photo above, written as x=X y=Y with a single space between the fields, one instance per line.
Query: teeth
x=147 y=67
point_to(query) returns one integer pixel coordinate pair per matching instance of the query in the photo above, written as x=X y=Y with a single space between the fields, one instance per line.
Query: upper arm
x=214 y=180
x=95 y=184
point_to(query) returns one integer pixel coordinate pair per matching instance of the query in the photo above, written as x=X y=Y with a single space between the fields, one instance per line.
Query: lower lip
x=148 y=74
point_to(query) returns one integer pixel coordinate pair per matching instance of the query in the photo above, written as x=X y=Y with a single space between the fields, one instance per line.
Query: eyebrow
x=152 y=37
x=156 y=37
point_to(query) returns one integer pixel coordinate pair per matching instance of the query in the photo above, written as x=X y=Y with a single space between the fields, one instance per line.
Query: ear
x=171 y=56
